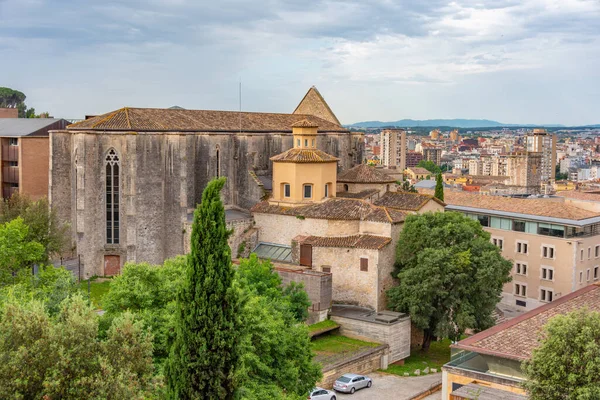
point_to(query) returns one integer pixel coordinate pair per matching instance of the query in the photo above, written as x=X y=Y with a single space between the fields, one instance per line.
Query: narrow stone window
x=326 y=190
x=112 y=197
x=364 y=264
x=218 y=161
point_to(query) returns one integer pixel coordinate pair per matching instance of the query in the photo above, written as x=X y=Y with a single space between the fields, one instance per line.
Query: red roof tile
x=370 y=242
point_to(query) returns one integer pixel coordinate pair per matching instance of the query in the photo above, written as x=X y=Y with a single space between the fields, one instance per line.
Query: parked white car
x=321 y=394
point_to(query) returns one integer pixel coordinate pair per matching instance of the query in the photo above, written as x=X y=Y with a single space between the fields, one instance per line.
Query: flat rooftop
x=365 y=314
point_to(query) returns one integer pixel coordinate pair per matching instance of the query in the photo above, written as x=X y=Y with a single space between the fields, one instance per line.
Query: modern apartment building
x=540 y=141
x=393 y=148
x=554 y=244
x=24 y=155
x=431 y=153
x=413 y=158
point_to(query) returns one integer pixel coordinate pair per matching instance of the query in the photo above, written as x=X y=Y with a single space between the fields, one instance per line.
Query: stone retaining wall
x=363 y=363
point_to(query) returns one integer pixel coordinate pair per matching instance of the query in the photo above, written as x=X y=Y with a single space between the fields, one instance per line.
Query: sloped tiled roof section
x=370 y=242
x=405 y=200
x=364 y=173
x=314 y=104
x=179 y=120
x=364 y=194
x=538 y=207
x=336 y=209
x=516 y=338
x=297 y=155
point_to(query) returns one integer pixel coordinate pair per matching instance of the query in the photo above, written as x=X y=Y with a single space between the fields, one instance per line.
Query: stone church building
x=127 y=181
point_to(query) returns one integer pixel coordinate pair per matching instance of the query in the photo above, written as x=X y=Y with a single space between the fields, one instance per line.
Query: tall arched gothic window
x=112 y=197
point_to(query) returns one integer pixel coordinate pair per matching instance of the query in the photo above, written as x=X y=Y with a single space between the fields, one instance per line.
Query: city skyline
x=529 y=62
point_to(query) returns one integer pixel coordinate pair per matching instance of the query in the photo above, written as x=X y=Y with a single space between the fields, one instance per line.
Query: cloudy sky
x=515 y=61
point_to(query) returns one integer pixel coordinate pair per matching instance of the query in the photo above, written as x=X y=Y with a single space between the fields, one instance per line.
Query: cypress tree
x=205 y=353
x=439 y=188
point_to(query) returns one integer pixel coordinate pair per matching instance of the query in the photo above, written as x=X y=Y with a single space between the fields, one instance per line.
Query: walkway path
x=388 y=387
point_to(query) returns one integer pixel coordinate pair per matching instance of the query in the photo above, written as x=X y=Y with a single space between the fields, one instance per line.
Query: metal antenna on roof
x=240 y=104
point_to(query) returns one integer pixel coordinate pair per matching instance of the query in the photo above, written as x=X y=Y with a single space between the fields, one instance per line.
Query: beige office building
x=540 y=141
x=554 y=244
x=393 y=148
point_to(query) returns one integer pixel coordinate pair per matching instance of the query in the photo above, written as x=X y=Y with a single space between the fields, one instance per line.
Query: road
x=388 y=387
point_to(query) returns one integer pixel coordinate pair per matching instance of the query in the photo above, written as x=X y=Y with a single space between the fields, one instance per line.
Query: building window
x=308 y=191
x=546 y=295
x=522 y=247
x=287 y=190
x=580 y=276
x=581 y=255
x=484 y=220
x=13 y=142
x=313 y=143
x=587 y=275
x=326 y=268
x=13 y=163
x=326 y=190
x=547 y=251
x=364 y=264
x=345 y=187
x=521 y=268
x=597 y=252
x=547 y=273
x=520 y=289
x=596 y=272
x=112 y=197
x=498 y=242
x=297 y=142
x=519 y=226
x=589 y=253
x=305 y=142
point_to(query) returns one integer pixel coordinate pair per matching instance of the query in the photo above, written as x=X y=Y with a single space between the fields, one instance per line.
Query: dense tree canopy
x=450 y=275
x=429 y=166
x=10 y=98
x=17 y=251
x=45 y=357
x=42 y=221
x=566 y=365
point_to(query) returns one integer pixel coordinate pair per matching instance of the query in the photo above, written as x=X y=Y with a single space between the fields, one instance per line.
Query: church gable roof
x=180 y=120
x=314 y=104
x=364 y=173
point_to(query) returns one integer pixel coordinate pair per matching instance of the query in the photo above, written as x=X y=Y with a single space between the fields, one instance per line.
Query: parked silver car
x=321 y=394
x=349 y=383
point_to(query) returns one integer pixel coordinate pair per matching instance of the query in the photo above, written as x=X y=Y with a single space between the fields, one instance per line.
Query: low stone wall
x=396 y=335
x=363 y=363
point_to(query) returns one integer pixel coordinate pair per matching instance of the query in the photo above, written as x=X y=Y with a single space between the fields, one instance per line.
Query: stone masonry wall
x=162 y=176
x=364 y=363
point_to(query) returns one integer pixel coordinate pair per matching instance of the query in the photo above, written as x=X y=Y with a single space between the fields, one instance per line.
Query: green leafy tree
x=150 y=292
x=43 y=223
x=429 y=166
x=60 y=358
x=17 y=252
x=566 y=365
x=206 y=351
x=439 y=187
x=10 y=98
x=257 y=277
x=450 y=275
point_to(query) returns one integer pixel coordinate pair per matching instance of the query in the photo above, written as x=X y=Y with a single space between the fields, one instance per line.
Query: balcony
x=10 y=153
x=10 y=174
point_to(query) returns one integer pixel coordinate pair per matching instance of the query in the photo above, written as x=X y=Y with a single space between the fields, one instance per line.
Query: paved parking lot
x=388 y=387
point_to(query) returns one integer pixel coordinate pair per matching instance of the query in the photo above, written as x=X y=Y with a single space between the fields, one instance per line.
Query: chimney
x=9 y=113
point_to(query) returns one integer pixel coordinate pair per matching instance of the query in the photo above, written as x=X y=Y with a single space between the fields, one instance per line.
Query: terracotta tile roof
x=336 y=209
x=364 y=194
x=363 y=173
x=179 y=120
x=405 y=200
x=370 y=242
x=575 y=194
x=420 y=171
x=516 y=338
x=304 y=124
x=298 y=155
x=538 y=207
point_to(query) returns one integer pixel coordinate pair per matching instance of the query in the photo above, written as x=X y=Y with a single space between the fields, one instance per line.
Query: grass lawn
x=322 y=326
x=97 y=290
x=331 y=348
x=438 y=355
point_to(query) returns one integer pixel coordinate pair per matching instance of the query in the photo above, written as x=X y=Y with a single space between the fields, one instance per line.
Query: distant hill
x=453 y=123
